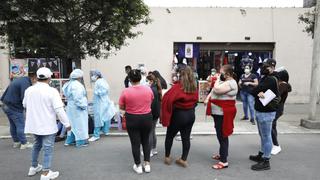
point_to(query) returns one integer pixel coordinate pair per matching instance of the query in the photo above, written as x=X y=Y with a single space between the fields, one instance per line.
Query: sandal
x=220 y=165
x=216 y=157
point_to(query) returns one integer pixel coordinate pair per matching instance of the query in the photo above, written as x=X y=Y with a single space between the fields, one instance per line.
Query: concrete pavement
x=289 y=123
x=110 y=159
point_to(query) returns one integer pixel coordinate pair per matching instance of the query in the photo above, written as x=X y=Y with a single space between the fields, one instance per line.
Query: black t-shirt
x=244 y=79
x=265 y=83
x=126 y=82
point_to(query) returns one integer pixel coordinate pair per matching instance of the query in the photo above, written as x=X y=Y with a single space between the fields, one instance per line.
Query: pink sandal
x=220 y=165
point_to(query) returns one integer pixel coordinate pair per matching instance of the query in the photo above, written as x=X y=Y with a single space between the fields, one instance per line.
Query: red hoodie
x=176 y=98
x=229 y=113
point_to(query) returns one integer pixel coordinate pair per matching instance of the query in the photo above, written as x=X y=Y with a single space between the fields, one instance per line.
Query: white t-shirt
x=40 y=101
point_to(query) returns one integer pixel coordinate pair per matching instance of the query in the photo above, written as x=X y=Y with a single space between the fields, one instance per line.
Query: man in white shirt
x=43 y=104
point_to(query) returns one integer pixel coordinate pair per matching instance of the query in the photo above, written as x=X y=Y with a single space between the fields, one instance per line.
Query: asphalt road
x=110 y=158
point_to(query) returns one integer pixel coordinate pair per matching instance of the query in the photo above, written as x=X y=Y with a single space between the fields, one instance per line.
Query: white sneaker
x=92 y=139
x=147 y=167
x=50 y=175
x=34 y=170
x=178 y=138
x=137 y=169
x=275 y=150
x=151 y=154
x=26 y=146
x=154 y=151
x=16 y=144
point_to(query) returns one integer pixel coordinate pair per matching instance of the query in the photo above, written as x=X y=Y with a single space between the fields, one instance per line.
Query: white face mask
x=94 y=78
x=247 y=71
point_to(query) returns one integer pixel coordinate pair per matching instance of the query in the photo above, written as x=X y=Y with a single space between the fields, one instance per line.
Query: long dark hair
x=156 y=81
x=162 y=80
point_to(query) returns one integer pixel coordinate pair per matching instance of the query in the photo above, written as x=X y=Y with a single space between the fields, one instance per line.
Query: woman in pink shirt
x=136 y=102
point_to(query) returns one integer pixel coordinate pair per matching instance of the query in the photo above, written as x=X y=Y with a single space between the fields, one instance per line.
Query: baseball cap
x=271 y=62
x=44 y=73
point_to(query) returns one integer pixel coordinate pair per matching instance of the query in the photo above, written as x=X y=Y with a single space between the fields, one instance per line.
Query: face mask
x=222 y=77
x=265 y=70
x=247 y=71
x=93 y=78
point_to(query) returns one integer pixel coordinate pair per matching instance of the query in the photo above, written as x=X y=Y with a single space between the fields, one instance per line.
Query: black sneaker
x=244 y=118
x=256 y=158
x=252 y=122
x=261 y=166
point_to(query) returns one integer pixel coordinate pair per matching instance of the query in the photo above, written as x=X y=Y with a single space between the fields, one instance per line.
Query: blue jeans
x=264 y=123
x=62 y=129
x=248 y=102
x=17 y=123
x=47 y=142
x=105 y=129
x=71 y=139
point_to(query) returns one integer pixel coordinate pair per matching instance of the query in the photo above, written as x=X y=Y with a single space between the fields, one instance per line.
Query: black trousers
x=139 y=128
x=153 y=136
x=223 y=141
x=181 y=121
x=274 y=131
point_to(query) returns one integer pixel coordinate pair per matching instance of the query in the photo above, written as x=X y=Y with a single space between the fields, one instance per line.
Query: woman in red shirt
x=136 y=102
x=178 y=114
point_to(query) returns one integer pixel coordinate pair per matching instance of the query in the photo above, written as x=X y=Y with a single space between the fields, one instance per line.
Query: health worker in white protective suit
x=77 y=110
x=103 y=108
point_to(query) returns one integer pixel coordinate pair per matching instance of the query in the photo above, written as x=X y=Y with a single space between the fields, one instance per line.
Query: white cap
x=44 y=73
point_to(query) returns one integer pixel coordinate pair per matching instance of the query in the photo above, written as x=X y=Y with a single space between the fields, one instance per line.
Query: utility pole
x=312 y=122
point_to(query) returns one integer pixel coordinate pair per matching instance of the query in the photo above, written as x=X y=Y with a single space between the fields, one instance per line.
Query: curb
x=122 y=134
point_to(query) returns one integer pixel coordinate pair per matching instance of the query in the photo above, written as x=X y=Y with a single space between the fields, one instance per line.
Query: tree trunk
x=315 y=76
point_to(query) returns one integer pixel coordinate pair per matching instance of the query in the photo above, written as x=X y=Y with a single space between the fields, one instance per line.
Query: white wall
x=4 y=65
x=154 y=48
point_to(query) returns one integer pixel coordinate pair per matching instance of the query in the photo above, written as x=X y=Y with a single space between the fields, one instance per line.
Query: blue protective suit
x=77 y=108
x=103 y=107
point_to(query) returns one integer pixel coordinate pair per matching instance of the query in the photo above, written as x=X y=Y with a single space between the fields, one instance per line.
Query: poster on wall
x=188 y=51
x=18 y=68
x=204 y=89
x=58 y=84
x=51 y=63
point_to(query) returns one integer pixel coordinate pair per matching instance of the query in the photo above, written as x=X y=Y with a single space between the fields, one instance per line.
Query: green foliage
x=71 y=28
x=309 y=19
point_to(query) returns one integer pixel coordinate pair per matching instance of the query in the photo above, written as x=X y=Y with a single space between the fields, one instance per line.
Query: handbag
x=274 y=103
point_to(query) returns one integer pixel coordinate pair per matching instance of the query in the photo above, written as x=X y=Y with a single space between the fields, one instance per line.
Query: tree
x=71 y=29
x=309 y=19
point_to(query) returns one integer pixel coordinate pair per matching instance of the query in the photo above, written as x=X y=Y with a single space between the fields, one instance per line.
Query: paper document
x=268 y=96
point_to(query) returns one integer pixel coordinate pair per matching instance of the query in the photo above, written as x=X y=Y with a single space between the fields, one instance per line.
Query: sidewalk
x=289 y=123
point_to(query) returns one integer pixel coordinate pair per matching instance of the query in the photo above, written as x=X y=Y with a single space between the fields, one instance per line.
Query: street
x=110 y=158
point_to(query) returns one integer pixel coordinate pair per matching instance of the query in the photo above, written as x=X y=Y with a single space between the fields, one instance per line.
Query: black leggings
x=274 y=131
x=223 y=141
x=139 y=127
x=182 y=120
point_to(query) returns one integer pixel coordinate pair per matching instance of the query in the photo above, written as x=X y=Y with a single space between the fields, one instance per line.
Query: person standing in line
x=103 y=107
x=178 y=114
x=163 y=82
x=155 y=108
x=247 y=82
x=221 y=104
x=136 y=102
x=284 y=89
x=264 y=116
x=13 y=108
x=212 y=78
x=43 y=104
x=77 y=110
x=126 y=81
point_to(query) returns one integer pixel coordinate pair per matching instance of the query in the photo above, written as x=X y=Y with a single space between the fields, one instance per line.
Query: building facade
x=276 y=29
